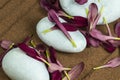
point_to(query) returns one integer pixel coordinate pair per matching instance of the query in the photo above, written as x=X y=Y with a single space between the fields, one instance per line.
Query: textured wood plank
x=19 y=20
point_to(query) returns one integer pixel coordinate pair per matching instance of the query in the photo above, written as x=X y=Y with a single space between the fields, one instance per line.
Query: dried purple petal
x=81 y=2
x=112 y=63
x=56 y=75
x=75 y=71
x=117 y=29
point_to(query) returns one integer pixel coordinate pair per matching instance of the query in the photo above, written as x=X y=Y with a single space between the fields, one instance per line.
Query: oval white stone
x=18 y=66
x=111 y=8
x=57 y=39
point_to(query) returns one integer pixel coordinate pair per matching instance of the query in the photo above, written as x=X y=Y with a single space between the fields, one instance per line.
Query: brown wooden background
x=18 y=19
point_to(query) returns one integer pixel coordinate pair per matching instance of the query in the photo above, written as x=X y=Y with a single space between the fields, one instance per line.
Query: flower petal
x=54 y=67
x=52 y=55
x=56 y=75
x=98 y=35
x=54 y=17
x=29 y=51
x=117 y=29
x=77 y=21
x=112 y=63
x=81 y=2
x=109 y=47
x=93 y=12
x=51 y=4
x=5 y=44
x=75 y=72
x=67 y=26
x=41 y=48
x=93 y=42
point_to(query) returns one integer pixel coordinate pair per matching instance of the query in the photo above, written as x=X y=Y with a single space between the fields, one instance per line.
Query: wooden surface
x=18 y=19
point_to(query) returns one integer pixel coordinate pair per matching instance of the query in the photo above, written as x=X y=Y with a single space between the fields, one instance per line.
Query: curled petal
x=117 y=29
x=75 y=71
x=81 y=2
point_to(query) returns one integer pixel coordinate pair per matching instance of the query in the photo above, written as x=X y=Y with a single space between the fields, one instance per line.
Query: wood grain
x=18 y=19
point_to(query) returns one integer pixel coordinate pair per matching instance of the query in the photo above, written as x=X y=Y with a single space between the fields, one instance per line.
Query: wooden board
x=18 y=19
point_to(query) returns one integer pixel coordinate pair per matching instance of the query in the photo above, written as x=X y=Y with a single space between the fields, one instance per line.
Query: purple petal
x=54 y=17
x=93 y=12
x=98 y=35
x=45 y=4
x=54 y=67
x=117 y=29
x=112 y=63
x=29 y=51
x=51 y=4
x=81 y=2
x=56 y=75
x=75 y=72
x=41 y=48
x=109 y=47
x=76 y=21
x=52 y=55
x=68 y=27
x=115 y=43
x=5 y=44
x=93 y=42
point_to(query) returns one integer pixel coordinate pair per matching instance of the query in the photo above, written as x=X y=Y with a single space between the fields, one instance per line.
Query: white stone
x=18 y=66
x=111 y=8
x=58 y=40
